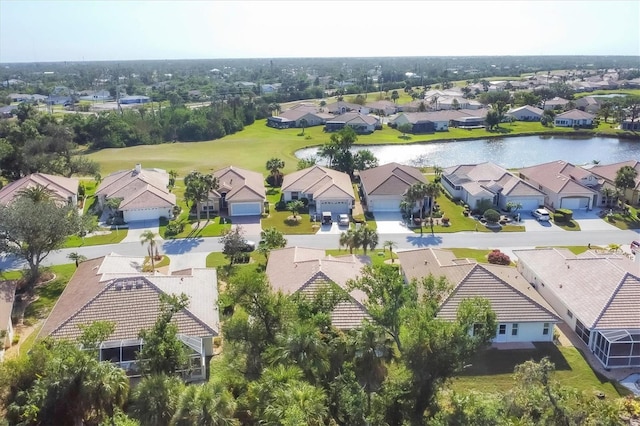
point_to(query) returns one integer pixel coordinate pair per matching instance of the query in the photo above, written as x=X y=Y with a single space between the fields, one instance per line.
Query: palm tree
x=172 y=179
x=304 y=347
x=297 y=403
x=36 y=193
x=155 y=399
x=348 y=239
x=437 y=170
x=608 y=194
x=294 y=207
x=416 y=194
x=372 y=349
x=367 y=238
x=274 y=166
x=271 y=239
x=209 y=404
x=149 y=237
x=433 y=191
x=391 y=245
x=303 y=123
x=76 y=257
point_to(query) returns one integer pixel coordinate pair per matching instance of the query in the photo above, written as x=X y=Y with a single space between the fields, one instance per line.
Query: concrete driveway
x=532 y=225
x=591 y=221
x=138 y=227
x=332 y=229
x=250 y=224
x=391 y=223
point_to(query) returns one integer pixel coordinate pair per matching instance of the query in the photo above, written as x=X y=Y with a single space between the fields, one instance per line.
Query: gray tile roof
x=596 y=288
x=390 y=179
x=98 y=291
x=511 y=297
x=130 y=185
x=559 y=176
x=575 y=114
x=490 y=178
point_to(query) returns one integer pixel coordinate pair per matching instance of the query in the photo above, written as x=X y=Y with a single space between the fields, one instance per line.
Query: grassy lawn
x=215 y=227
x=467 y=253
x=48 y=294
x=278 y=220
x=113 y=237
x=568 y=226
x=219 y=261
x=377 y=256
x=621 y=221
x=492 y=370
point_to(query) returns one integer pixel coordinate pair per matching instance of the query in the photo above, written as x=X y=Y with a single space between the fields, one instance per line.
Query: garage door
x=144 y=214
x=574 y=203
x=245 y=209
x=385 y=205
x=334 y=206
x=528 y=204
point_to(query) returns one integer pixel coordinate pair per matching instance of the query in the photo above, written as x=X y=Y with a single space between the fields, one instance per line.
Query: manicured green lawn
x=492 y=370
x=48 y=293
x=219 y=261
x=621 y=221
x=278 y=220
x=213 y=228
x=113 y=237
x=377 y=256
x=467 y=253
x=568 y=226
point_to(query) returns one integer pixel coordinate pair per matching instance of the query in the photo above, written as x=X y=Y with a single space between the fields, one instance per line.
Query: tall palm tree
x=303 y=123
x=297 y=403
x=433 y=191
x=372 y=349
x=149 y=238
x=608 y=194
x=76 y=257
x=391 y=245
x=303 y=346
x=274 y=165
x=416 y=194
x=348 y=239
x=209 y=404
x=36 y=193
x=367 y=238
x=437 y=170
x=155 y=399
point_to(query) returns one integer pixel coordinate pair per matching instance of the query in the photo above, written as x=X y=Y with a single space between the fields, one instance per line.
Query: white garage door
x=333 y=206
x=144 y=214
x=384 y=205
x=528 y=204
x=574 y=203
x=245 y=209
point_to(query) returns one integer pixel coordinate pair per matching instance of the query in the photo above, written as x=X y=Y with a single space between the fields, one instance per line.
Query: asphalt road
x=505 y=241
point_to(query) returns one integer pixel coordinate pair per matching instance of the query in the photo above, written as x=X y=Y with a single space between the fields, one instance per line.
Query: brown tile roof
x=7 y=296
x=594 y=287
x=576 y=114
x=130 y=184
x=243 y=185
x=320 y=181
x=298 y=269
x=608 y=171
x=390 y=179
x=558 y=176
x=98 y=291
x=491 y=178
x=61 y=187
x=354 y=118
x=511 y=297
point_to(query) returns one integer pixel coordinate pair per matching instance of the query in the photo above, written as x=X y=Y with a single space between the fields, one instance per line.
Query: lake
x=512 y=152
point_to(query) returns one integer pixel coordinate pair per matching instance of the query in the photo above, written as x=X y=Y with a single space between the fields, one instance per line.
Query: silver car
x=541 y=215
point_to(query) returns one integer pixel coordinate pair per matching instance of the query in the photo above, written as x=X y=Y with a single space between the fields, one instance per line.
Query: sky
x=83 y=30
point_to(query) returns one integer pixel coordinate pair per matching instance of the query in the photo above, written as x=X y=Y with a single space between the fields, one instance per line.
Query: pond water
x=512 y=152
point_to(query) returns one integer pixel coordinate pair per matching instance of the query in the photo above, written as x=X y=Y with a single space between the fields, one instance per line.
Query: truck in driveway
x=326 y=218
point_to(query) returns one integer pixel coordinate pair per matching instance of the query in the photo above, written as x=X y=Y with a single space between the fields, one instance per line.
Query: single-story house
x=143 y=192
x=307 y=271
x=629 y=124
x=7 y=111
x=382 y=107
x=340 y=107
x=588 y=104
x=23 y=97
x=526 y=113
x=469 y=122
x=113 y=288
x=437 y=121
x=555 y=103
x=383 y=187
x=522 y=315
x=608 y=173
x=596 y=295
x=360 y=123
x=457 y=102
x=134 y=99
x=574 y=118
x=99 y=95
x=63 y=190
x=418 y=105
x=240 y=193
x=473 y=183
x=7 y=297
x=294 y=118
x=328 y=189
x=565 y=186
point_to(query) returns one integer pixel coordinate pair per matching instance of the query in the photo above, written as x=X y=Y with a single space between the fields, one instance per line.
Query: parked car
x=343 y=220
x=541 y=215
x=635 y=247
x=249 y=246
x=326 y=218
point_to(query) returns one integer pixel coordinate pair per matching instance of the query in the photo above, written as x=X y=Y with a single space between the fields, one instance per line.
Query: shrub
x=437 y=214
x=491 y=215
x=445 y=221
x=174 y=227
x=568 y=214
x=16 y=339
x=498 y=258
x=281 y=206
x=559 y=217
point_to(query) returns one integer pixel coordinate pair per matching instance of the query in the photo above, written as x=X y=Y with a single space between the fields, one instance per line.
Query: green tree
x=31 y=230
x=162 y=351
x=149 y=238
x=364 y=159
x=372 y=351
x=297 y=403
x=305 y=163
x=367 y=238
x=492 y=119
x=209 y=404
x=275 y=165
x=416 y=194
x=234 y=243
x=303 y=123
x=271 y=239
x=294 y=207
x=433 y=191
x=197 y=189
x=391 y=245
x=513 y=206
x=154 y=400
x=348 y=239
x=626 y=178
x=395 y=96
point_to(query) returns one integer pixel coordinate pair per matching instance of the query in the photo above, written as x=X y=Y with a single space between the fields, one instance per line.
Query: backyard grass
x=378 y=256
x=47 y=294
x=491 y=370
x=225 y=269
x=572 y=225
x=621 y=221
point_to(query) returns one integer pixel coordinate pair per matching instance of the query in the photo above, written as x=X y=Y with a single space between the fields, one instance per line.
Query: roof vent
x=118 y=286
x=139 y=283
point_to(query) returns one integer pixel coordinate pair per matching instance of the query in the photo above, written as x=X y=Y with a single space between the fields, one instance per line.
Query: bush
x=445 y=221
x=498 y=258
x=16 y=339
x=281 y=206
x=568 y=214
x=491 y=215
x=174 y=227
x=559 y=217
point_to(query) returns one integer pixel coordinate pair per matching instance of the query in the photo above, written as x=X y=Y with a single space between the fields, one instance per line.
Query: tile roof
x=61 y=187
x=511 y=297
x=320 y=181
x=489 y=178
x=298 y=269
x=111 y=289
x=390 y=179
x=243 y=185
x=558 y=176
x=596 y=288
x=354 y=118
x=575 y=114
x=608 y=171
x=527 y=108
x=130 y=185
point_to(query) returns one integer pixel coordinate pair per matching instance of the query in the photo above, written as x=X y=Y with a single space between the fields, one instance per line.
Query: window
x=294 y=195
x=502 y=329
x=569 y=314
x=545 y=329
x=514 y=329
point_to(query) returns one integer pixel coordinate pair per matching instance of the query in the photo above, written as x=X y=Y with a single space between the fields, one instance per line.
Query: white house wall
x=527 y=332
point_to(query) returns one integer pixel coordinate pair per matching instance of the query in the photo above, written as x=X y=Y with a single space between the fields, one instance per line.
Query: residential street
x=506 y=242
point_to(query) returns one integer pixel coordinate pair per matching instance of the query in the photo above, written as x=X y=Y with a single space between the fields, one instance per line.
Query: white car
x=343 y=220
x=541 y=215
